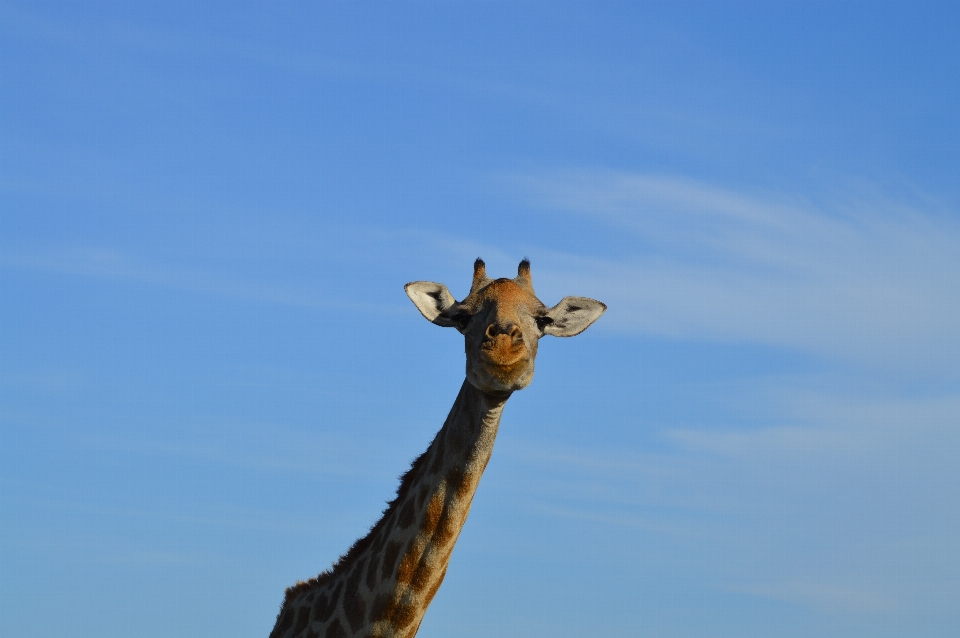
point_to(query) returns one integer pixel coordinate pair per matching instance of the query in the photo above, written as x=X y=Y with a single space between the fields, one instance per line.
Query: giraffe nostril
x=511 y=330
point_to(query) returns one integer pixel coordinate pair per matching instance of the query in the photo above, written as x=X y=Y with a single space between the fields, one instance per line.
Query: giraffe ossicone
x=382 y=586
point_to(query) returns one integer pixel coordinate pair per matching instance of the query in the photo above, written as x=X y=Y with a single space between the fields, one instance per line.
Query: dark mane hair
x=362 y=544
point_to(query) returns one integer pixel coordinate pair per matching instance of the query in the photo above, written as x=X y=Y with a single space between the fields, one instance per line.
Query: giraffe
x=382 y=586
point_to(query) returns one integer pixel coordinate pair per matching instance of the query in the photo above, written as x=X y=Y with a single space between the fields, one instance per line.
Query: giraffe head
x=502 y=321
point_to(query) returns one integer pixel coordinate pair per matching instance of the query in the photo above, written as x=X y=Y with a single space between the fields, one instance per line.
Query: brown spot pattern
x=434 y=588
x=421 y=577
x=323 y=609
x=355 y=609
x=382 y=607
x=422 y=495
x=302 y=619
x=335 y=596
x=372 y=574
x=404 y=615
x=455 y=480
x=286 y=621
x=438 y=454
x=432 y=516
x=407 y=514
x=353 y=582
x=407 y=565
x=446 y=529
x=336 y=630
x=389 y=559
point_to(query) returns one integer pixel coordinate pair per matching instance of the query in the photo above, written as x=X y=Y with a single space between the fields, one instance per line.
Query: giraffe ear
x=572 y=316
x=432 y=300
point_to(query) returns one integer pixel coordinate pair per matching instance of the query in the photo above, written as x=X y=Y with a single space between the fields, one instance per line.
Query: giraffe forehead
x=507 y=295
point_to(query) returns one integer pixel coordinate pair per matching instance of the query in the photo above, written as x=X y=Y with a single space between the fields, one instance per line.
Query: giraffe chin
x=498 y=378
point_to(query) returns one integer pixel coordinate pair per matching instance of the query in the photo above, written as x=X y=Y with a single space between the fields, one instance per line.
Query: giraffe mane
x=361 y=544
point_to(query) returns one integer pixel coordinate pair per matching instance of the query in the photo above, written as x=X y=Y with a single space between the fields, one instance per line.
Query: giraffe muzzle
x=503 y=350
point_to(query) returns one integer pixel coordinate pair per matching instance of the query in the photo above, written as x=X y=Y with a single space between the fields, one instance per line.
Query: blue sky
x=210 y=377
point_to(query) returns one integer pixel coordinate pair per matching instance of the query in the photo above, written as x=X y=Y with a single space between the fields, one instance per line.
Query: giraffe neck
x=384 y=583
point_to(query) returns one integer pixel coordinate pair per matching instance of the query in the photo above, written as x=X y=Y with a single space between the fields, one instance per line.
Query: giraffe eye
x=461 y=319
x=543 y=322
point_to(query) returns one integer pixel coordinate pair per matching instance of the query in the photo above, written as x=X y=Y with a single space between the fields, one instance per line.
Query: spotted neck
x=384 y=583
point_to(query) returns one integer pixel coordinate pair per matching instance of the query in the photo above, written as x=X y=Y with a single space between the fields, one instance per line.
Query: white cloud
x=864 y=278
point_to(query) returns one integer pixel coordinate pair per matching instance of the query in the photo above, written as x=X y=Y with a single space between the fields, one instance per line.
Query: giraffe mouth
x=505 y=367
x=503 y=352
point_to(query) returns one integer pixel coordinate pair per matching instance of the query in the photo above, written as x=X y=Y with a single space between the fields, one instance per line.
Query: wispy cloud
x=850 y=440
x=82 y=261
x=841 y=502
x=818 y=423
x=861 y=277
x=831 y=596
